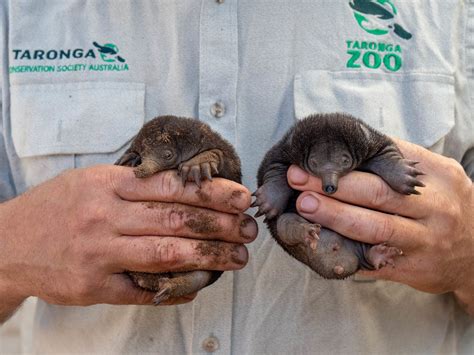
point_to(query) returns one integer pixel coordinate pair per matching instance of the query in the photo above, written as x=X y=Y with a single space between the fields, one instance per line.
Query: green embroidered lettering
x=392 y=62
x=373 y=63
x=351 y=63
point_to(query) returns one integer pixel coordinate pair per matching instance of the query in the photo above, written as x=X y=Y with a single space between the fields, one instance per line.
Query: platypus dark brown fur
x=329 y=146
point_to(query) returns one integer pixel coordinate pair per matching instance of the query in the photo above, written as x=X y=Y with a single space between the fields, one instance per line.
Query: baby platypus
x=329 y=146
x=198 y=152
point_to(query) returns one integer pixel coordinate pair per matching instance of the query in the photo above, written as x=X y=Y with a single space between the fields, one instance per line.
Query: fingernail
x=240 y=255
x=240 y=200
x=248 y=228
x=309 y=204
x=298 y=176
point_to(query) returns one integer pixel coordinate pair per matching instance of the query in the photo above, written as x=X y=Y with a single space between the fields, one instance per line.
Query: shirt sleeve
x=7 y=190
x=6 y=183
x=468 y=158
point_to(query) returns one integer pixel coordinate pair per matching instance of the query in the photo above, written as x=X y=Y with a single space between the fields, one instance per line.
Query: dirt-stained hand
x=69 y=240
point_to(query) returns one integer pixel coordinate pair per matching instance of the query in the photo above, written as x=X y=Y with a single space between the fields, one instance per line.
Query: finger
x=360 y=223
x=167 y=254
x=120 y=290
x=161 y=218
x=367 y=190
x=220 y=194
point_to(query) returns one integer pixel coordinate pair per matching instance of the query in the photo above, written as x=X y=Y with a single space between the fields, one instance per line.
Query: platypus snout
x=330 y=183
x=330 y=189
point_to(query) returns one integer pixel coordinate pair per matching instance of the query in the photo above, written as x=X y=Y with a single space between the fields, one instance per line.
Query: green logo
x=64 y=60
x=109 y=52
x=378 y=17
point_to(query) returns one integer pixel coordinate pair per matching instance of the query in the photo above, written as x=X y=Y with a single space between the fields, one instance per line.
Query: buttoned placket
x=218 y=70
x=218 y=66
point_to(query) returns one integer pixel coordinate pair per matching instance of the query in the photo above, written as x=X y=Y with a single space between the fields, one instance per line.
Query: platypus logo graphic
x=377 y=17
x=109 y=52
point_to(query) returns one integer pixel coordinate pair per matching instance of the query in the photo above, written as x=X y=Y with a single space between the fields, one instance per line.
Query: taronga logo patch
x=106 y=54
x=378 y=18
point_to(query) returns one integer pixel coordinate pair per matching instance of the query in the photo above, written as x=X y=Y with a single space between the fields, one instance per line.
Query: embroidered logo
x=109 y=52
x=69 y=60
x=378 y=18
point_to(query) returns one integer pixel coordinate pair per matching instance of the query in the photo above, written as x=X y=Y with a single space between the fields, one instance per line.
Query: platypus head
x=329 y=161
x=159 y=159
x=162 y=144
x=151 y=160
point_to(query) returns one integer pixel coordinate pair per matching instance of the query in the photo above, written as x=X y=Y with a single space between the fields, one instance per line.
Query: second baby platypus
x=329 y=146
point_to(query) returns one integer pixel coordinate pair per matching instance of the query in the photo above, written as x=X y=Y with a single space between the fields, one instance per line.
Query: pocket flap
x=416 y=107
x=75 y=118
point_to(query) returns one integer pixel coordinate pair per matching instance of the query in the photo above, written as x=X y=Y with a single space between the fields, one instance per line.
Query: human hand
x=435 y=230
x=69 y=240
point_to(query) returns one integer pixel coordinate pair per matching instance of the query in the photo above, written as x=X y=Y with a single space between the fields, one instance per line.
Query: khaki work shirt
x=248 y=68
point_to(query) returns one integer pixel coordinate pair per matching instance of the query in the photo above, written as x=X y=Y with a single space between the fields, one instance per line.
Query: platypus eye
x=313 y=162
x=346 y=161
x=167 y=154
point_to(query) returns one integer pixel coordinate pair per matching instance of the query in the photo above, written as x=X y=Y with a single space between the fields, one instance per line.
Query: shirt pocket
x=416 y=107
x=58 y=126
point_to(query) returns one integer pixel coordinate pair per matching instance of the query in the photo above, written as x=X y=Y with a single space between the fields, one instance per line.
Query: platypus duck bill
x=330 y=183
x=147 y=168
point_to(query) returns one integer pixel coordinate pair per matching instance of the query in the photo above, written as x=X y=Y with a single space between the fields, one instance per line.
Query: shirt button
x=210 y=344
x=218 y=110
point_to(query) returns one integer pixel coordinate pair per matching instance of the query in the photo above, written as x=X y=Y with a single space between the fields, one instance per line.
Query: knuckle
x=381 y=194
x=162 y=254
x=451 y=216
x=174 y=220
x=454 y=170
x=96 y=176
x=90 y=214
x=383 y=231
x=337 y=217
x=169 y=185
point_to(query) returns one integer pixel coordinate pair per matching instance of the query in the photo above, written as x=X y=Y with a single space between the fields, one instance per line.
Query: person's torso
x=82 y=77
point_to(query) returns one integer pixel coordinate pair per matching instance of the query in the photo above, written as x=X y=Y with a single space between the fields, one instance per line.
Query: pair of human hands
x=69 y=240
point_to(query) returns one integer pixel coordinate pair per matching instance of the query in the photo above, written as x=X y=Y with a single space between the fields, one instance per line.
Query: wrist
x=10 y=300
x=10 y=295
x=465 y=297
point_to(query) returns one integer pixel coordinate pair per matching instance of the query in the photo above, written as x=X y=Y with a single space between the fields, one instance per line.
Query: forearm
x=465 y=298
x=10 y=299
x=465 y=293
